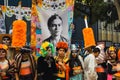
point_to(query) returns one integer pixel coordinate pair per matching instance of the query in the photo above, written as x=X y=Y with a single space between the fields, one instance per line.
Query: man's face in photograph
x=56 y=27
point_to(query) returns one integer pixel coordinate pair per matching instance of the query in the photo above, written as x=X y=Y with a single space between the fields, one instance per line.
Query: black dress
x=46 y=69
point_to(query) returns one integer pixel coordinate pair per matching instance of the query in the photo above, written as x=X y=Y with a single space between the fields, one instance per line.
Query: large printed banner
x=55 y=19
x=41 y=15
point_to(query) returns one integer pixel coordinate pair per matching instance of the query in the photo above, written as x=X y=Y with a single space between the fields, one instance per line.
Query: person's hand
x=75 y=73
x=114 y=67
x=60 y=63
x=12 y=62
x=61 y=66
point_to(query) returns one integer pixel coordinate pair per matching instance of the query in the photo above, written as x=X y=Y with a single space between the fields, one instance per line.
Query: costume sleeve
x=110 y=71
x=54 y=66
x=39 y=65
x=81 y=60
x=71 y=66
x=91 y=68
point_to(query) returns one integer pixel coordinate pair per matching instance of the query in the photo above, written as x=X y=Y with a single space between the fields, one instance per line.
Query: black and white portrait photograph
x=54 y=26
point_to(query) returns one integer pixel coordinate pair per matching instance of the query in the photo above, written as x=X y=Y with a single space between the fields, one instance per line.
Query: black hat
x=25 y=49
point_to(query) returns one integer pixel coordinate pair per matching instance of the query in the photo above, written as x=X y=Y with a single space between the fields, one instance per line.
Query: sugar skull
x=62 y=4
x=19 y=12
x=27 y=13
x=46 y=4
x=54 y=5
x=10 y=11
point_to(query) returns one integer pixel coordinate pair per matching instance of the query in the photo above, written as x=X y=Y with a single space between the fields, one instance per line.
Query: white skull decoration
x=10 y=11
x=46 y=4
x=19 y=13
x=27 y=13
x=54 y=5
x=62 y=4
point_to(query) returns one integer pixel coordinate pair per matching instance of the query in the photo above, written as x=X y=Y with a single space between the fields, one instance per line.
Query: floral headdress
x=112 y=48
x=44 y=47
x=3 y=46
x=62 y=45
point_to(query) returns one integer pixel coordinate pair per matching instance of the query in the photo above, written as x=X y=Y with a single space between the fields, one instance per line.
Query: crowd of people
x=96 y=63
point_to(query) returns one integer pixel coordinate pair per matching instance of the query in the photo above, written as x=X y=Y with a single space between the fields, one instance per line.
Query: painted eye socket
x=12 y=11
x=63 y=3
x=25 y=12
x=2 y=51
x=54 y=5
x=6 y=40
x=29 y=12
x=74 y=53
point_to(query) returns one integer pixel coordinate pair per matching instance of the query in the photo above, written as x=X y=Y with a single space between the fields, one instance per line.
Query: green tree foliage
x=98 y=9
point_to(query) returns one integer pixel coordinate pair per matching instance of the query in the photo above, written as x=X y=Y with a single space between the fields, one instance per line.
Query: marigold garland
x=34 y=10
x=4 y=8
x=39 y=3
x=70 y=2
x=119 y=54
x=19 y=33
x=33 y=34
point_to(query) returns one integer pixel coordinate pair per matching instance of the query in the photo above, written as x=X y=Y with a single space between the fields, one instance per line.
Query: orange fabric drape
x=67 y=71
x=119 y=54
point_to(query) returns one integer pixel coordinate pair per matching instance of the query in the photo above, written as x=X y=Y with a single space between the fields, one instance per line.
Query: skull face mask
x=6 y=40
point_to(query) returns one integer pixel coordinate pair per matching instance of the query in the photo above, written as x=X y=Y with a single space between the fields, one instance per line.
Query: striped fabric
x=18 y=59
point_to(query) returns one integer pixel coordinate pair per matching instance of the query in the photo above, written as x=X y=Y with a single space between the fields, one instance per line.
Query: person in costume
x=101 y=60
x=111 y=63
x=117 y=75
x=6 y=39
x=62 y=61
x=75 y=64
x=90 y=65
x=25 y=64
x=46 y=67
x=6 y=66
